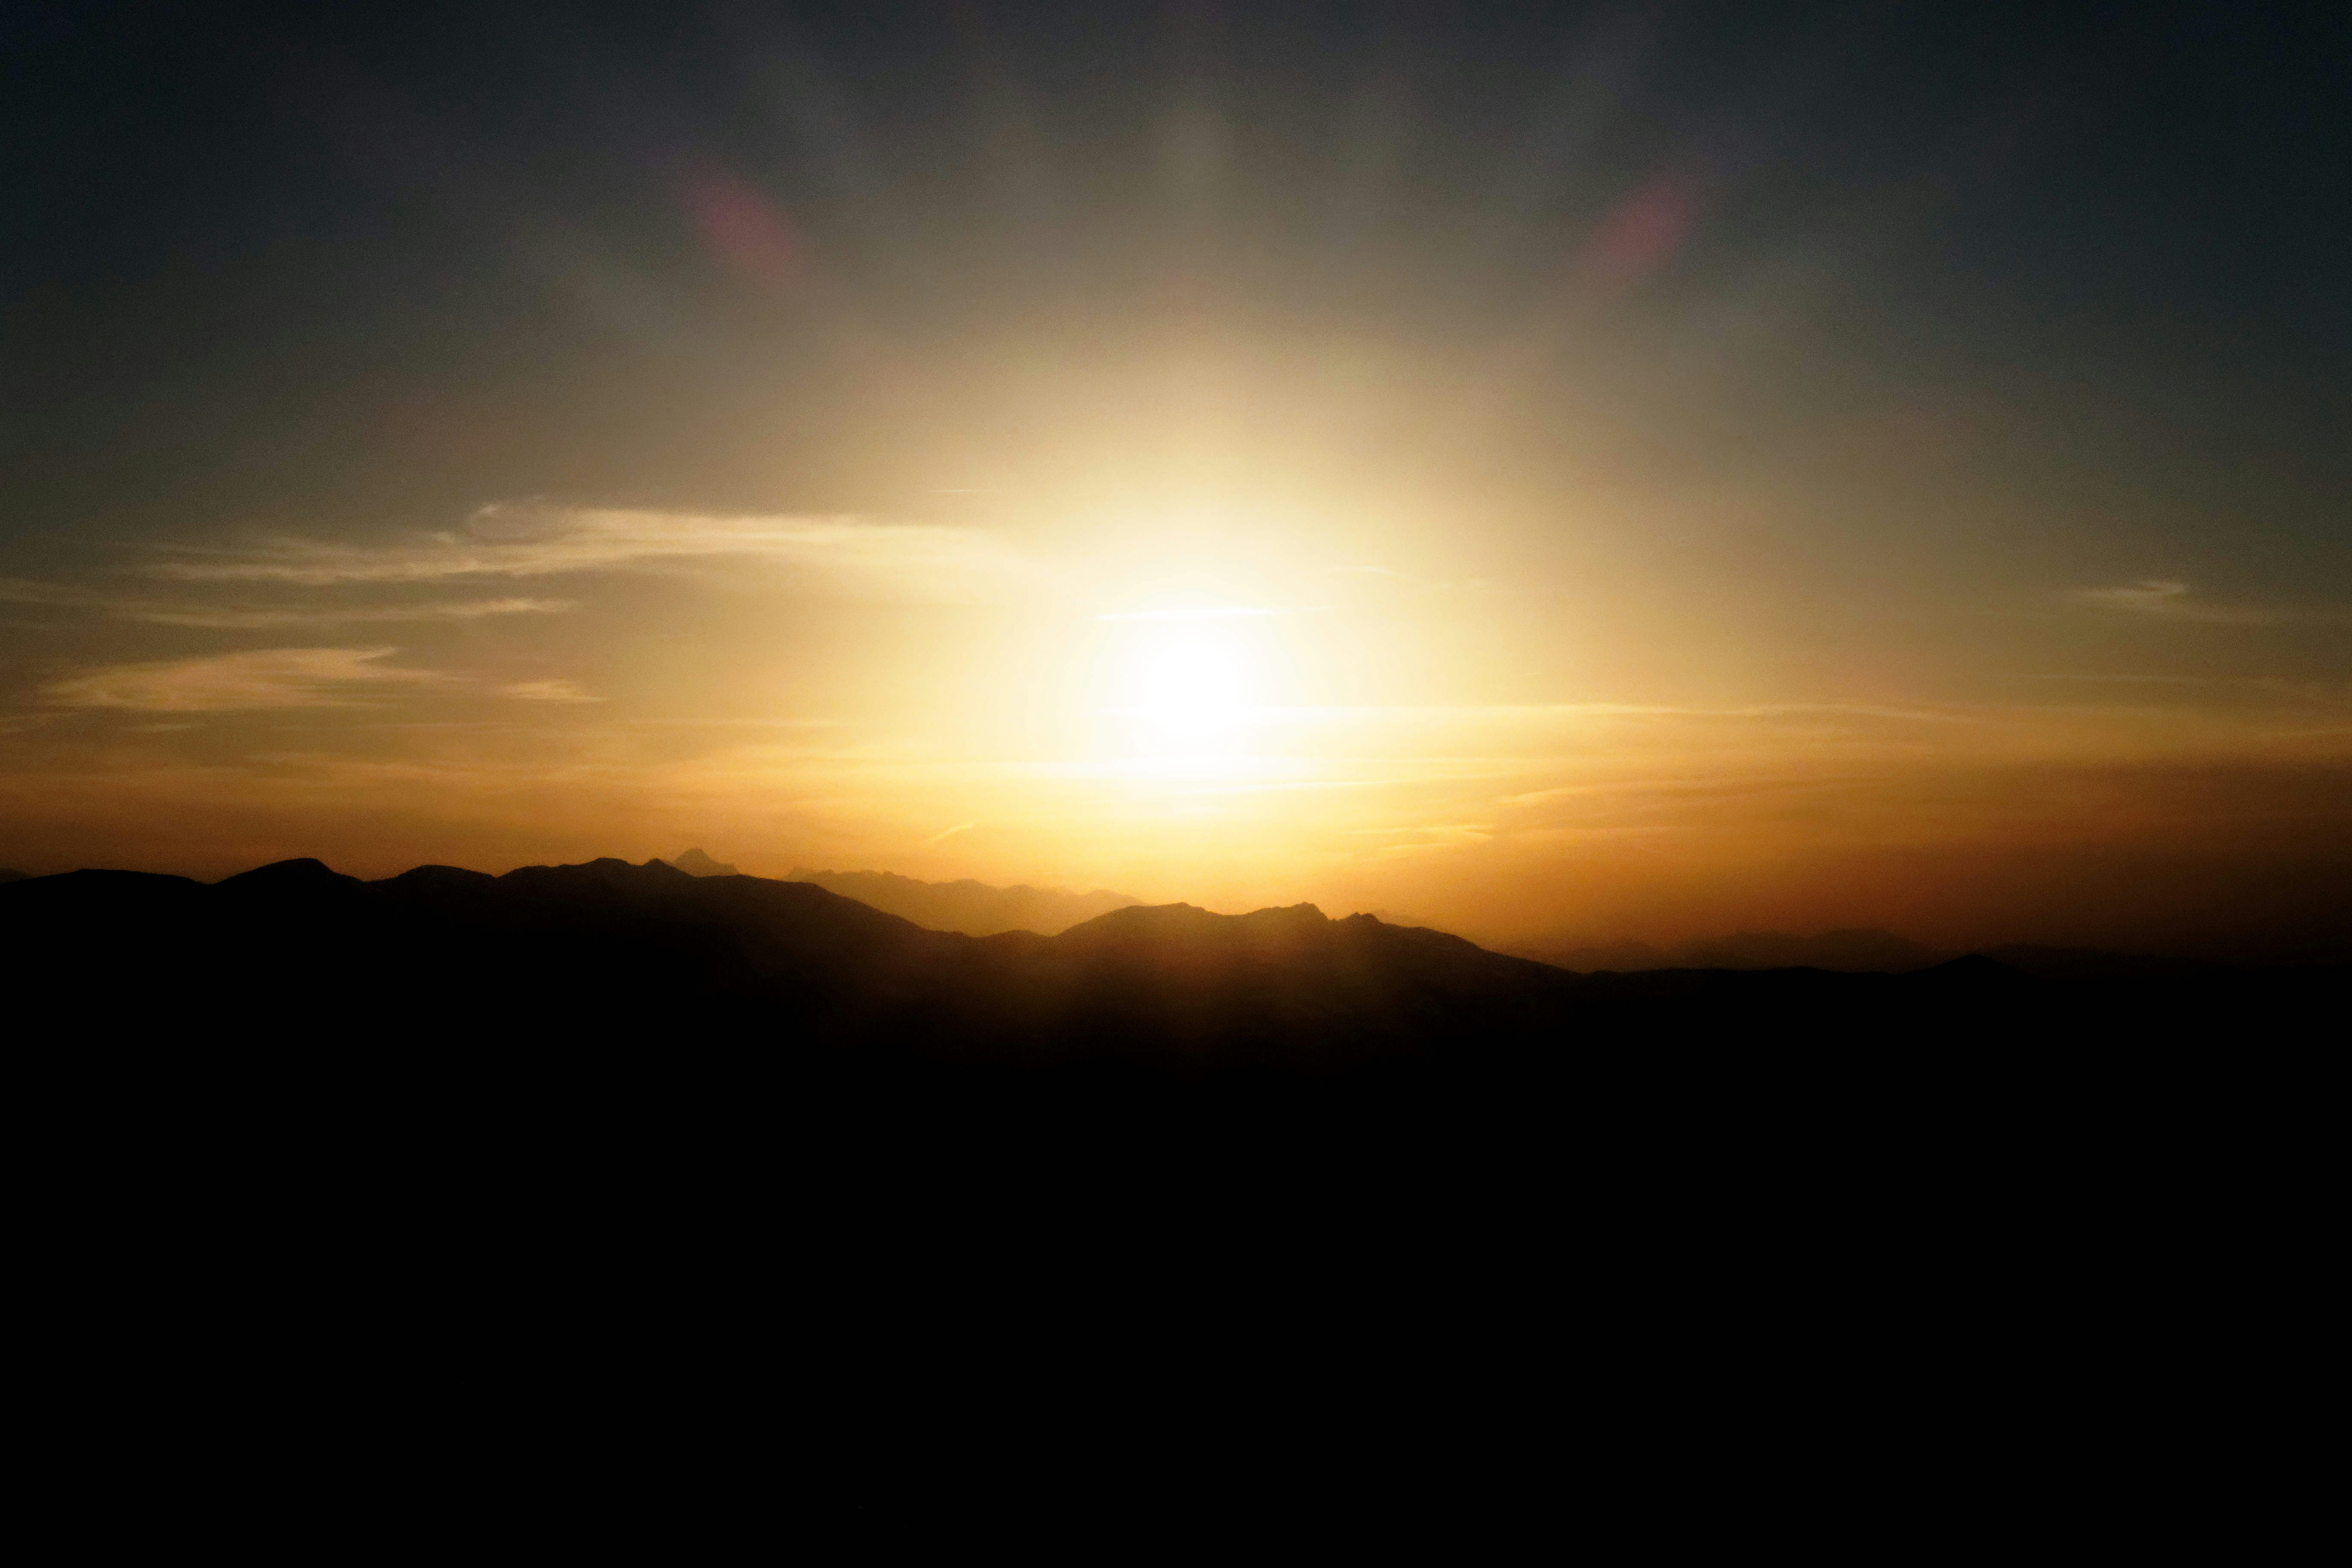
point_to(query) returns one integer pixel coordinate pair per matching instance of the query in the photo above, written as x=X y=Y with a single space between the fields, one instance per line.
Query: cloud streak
x=546 y=691
x=267 y=617
x=1214 y=613
x=251 y=618
x=21 y=591
x=844 y=555
x=263 y=679
x=2166 y=598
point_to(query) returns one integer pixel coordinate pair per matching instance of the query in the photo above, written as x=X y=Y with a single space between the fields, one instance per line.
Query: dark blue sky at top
x=381 y=264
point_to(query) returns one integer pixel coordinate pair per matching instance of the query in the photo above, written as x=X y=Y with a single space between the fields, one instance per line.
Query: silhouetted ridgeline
x=974 y=908
x=790 y=1099
x=573 y=956
x=584 y=953
x=1847 y=951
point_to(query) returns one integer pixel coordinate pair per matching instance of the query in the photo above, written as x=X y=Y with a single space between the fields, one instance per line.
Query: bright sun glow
x=1192 y=687
x=1189 y=674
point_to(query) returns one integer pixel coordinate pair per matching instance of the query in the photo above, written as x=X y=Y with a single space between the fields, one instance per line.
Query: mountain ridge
x=974 y=908
x=611 y=956
x=597 y=946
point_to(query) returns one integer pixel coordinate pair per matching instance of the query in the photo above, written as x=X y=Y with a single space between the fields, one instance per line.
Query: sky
x=1562 y=475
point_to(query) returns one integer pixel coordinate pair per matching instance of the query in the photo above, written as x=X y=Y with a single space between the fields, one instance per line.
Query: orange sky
x=1197 y=706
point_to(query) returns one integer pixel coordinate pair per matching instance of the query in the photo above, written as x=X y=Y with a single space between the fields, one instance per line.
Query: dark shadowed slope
x=1279 y=975
x=972 y=908
x=1847 y=951
x=771 y=1062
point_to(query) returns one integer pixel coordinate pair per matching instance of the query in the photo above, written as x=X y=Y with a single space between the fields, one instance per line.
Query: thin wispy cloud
x=1213 y=613
x=844 y=555
x=2169 y=599
x=22 y=591
x=546 y=691
x=267 y=617
x=1388 y=579
x=247 y=619
x=263 y=679
x=1430 y=839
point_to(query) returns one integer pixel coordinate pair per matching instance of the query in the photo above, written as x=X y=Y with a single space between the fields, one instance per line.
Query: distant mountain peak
x=1189 y=922
x=694 y=863
x=972 y=908
x=447 y=876
x=304 y=871
x=608 y=871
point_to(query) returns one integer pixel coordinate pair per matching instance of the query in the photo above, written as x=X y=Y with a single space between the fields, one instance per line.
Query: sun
x=1181 y=681
x=1192 y=685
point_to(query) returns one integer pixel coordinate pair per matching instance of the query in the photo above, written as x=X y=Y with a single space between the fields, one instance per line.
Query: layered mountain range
x=748 y=1074
x=606 y=950
x=588 y=950
x=974 y=908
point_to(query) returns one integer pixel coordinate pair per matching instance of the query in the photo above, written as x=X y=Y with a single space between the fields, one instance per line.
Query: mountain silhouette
x=694 y=863
x=974 y=908
x=764 y=1081
x=602 y=951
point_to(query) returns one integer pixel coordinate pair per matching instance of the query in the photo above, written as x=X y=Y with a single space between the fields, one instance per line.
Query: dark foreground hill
x=608 y=1007
x=1850 y=952
x=621 y=1029
x=450 y=1131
